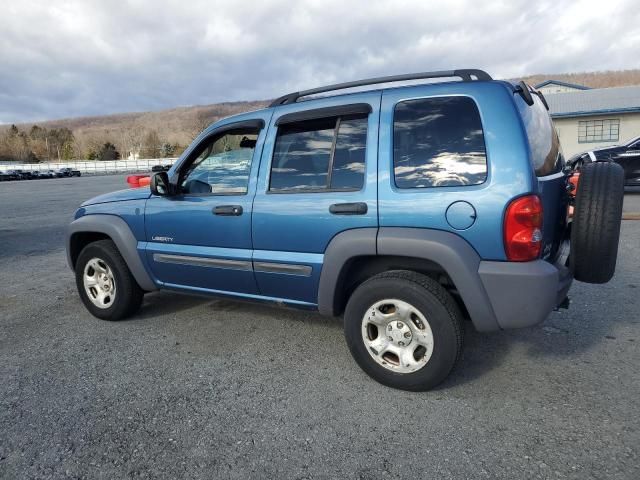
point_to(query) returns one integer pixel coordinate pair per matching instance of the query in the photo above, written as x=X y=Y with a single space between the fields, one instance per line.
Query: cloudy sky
x=83 y=57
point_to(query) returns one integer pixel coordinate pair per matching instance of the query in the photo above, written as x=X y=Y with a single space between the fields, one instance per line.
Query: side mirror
x=160 y=184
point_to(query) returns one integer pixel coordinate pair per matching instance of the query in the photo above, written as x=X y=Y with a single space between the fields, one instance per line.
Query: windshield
x=632 y=141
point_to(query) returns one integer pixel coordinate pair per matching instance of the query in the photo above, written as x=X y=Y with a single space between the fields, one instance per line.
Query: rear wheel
x=596 y=223
x=104 y=282
x=404 y=330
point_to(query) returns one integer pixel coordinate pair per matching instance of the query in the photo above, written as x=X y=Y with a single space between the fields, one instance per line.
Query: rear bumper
x=523 y=294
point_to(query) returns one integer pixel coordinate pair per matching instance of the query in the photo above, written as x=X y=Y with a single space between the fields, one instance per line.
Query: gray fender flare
x=118 y=230
x=342 y=248
x=455 y=256
x=450 y=251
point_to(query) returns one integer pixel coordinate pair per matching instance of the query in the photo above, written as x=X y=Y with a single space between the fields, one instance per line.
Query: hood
x=120 y=195
x=607 y=149
x=605 y=153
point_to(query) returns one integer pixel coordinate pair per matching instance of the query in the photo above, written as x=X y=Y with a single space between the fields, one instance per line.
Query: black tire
x=128 y=296
x=595 y=229
x=432 y=301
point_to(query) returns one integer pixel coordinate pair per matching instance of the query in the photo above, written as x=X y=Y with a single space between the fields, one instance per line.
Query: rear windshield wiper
x=525 y=92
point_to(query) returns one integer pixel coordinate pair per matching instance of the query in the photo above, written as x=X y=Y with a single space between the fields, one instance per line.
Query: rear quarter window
x=438 y=142
x=546 y=152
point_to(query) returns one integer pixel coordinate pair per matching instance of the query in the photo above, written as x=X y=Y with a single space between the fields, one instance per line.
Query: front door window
x=223 y=165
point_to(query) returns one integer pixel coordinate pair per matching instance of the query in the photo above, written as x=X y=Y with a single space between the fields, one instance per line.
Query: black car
x=14 y=175
x=160 y=168
x=69 y=172
x=627 y=155
x=24 y=174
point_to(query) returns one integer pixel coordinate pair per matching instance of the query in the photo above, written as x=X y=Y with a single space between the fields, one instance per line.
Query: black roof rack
x=467 y=75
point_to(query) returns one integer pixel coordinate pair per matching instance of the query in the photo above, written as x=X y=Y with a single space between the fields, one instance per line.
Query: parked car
x=24 y=174
x=69 y=172
x=46 y=174
x=5 y=176
x=626 y=155
x=406 y=209
x=161 y=168
x=14 y=175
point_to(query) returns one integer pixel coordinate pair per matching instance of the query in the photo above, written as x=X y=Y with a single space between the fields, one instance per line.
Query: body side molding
x=202 y=261
x=118 y=230
x=288 y=268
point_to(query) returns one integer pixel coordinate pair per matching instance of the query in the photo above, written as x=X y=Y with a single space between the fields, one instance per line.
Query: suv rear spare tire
x=596 y=224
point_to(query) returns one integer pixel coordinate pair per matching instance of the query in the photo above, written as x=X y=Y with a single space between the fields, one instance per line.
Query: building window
x=590 y=131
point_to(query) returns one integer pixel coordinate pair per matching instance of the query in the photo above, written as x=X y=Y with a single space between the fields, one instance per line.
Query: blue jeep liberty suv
x=406 y=208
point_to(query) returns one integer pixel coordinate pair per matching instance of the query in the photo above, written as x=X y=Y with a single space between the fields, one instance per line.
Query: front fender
x=118 y=231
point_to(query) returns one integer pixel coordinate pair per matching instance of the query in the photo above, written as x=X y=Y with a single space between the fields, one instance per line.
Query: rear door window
x=438 y=142
x=320 y=155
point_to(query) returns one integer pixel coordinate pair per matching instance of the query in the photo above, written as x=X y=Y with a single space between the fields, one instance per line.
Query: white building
x=556 y=86
x=591 y=118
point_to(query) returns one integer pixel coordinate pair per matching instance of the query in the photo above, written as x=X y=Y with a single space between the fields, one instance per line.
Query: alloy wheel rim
x=397 y=336
x=99 y=283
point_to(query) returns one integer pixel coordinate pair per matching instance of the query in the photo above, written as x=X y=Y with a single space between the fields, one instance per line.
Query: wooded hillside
x=590 y=79
x=166 y=133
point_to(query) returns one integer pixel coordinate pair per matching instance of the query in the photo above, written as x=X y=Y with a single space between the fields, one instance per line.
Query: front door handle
x=228 y=210
x=357 y=208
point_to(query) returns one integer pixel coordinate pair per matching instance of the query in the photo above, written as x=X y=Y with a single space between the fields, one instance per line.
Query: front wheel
x=404 y=330
x=105 y=284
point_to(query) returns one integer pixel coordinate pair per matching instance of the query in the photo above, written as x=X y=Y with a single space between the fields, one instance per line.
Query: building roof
x=594 y=101
x=562 y=84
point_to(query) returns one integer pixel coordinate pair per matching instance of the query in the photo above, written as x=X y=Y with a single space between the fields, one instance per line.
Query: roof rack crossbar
x=467 y=75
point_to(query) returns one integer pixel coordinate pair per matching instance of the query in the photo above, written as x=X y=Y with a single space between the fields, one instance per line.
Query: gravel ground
x=632 y=200
x=201 y=388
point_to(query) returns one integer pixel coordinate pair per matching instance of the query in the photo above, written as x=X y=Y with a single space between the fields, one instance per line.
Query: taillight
x=523 y=229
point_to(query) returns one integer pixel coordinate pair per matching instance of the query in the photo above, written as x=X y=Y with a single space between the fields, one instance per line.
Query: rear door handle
x=228 y=210
x=357 y=208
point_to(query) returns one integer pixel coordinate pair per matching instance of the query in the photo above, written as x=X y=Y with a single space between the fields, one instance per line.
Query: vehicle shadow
x=563 y=334
x=167 y=303
x=596 y=312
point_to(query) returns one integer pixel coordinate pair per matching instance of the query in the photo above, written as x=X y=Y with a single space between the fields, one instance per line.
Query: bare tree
x=151 y=144
x=201 y=120
x=131 y=140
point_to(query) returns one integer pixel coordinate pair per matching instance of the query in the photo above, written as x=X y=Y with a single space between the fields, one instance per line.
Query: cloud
x=68 y=58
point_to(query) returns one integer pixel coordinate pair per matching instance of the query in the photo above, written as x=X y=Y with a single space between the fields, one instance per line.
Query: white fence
x=96 y=167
